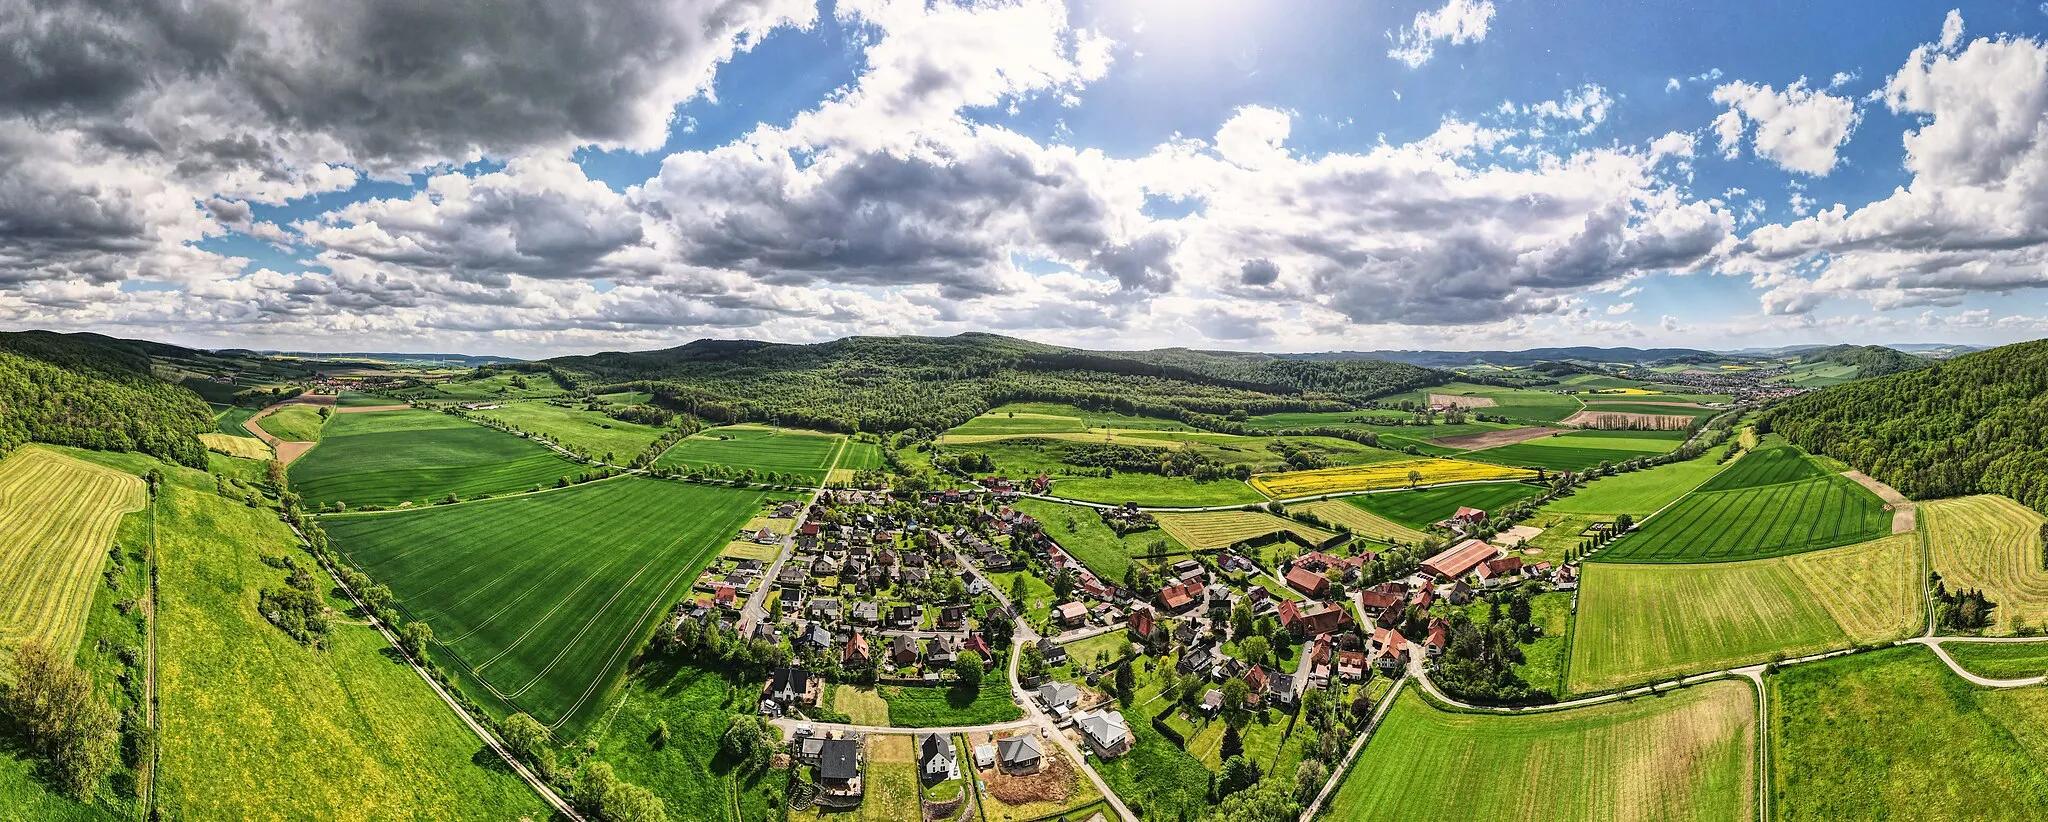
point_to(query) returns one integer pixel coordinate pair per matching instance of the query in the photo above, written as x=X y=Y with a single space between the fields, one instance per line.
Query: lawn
x=1992 y=543
x=1385 y=475
x=293 y=423
x=276 y=730
x=592 y=433
x=1893 y=734
x=862 y=706
x=1544 y=661
x=1638 y=623
x=1360 y=520
x=389 y=457
x=1037 y=604
x=58 y=515
x=1755 y=522
x=1686 y=755
x=1580 y=450
x=1156 y=490
x=1424 y=507
x=2000 y=660
x=936 y=706
x=1210 y=530
x=1641 y=493
x=1101 y=648
x=541 y=600
x=1094 y=543
x=693 y=780
x=807 y=454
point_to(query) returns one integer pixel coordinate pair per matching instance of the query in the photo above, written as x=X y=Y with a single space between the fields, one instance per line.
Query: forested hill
x=1974 y=424
x=1870 y=360
x=930 y=383
x=95 y=392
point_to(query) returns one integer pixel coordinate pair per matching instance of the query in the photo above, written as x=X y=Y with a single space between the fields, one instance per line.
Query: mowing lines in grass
x=1772 y=464
x=1210 y=530
x=57 y=516
x=1688 y=755
x=1757 y=521
x=807 y=454
x=1992 y=543
x=1640 y=493
x=543 y=598
x=1423 y=507
x=1872 y=590
x=1361 y=521
x=248 y=448
x=419 y=456
x=1385 y=475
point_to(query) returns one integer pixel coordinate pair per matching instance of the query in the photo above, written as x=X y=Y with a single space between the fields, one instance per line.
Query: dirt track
x=1494 y=439
x=286 y=450
x=1904 y=514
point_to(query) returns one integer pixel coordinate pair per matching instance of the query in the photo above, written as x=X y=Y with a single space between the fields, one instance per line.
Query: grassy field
x=1639 y=623
x=1426 y=506
x=1773 y=462
x=1755 y=522
x=1153 y=489
x=1221 y=529
x=764 y=449
x=276 y=730
x=1517 y=403
x=1640 y=493
x=389 y=457
x=862 y=706
x=231 y=418
x=1361 y=521
x=938 y=706
x=1893 y=734
x=1647 y=405
x=689 y=775
x=1993 y=543
x=1156 y=774
x=1580 y=450
x=542 y=599
x=293 y=423
x=1395 y=474
x=1092 y=542
x=57 y=517
x=1687 y=755
x=2000 y=660
x=245 y=447
x=590 y=432
x=1053 y=418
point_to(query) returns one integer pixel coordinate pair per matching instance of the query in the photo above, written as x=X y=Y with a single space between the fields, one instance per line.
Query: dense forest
x=1974 y=424
x=1870 y=360
x=931 y=383
x=95 y=392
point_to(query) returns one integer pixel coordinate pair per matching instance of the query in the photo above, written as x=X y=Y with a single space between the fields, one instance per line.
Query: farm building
x=1458 y=561
x=1319 y=618
x=1308 y=582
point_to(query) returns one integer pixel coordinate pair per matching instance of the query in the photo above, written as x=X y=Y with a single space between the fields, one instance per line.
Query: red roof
x=1437 y=631
x=855 y=647
x=1256 y=677
x=1469 y=514
x=1379 y=601
x=1176 y=597
x=1459 y=561
x=1307 y=581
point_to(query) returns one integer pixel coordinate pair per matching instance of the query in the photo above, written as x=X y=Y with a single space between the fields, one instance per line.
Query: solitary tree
x=969 y=669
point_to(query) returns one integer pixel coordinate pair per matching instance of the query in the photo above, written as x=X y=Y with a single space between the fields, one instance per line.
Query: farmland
x=231 y=419
x=540 y=600
x=688 y=773
x=249 y=448
x=1992 y=543
x=2000 y=660
x=391 y=457
x=1640 y=493
x=1221 y=529
x=57 y=517
x=1153 y=489
x=1580 y=450
x=1426 y=506
x=1747 y=521
x=293 y=423
x=1396 y=474
x=1515 y=403
x=1050 y=418
x=1094 y=543
x=278 y=730
x=1687 y=755
x=588 y=432
x=1637 y=623
x=759 y=448
x=1893 y=734
x=1361 y=521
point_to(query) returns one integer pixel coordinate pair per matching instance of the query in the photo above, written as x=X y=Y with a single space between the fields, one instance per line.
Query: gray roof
x=934 y=749
x=1019 y=750
x=1059 y=693
x=837 y=759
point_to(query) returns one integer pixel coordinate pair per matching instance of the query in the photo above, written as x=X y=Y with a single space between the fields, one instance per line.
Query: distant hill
x=459 y=360
x=1977 y=423
x=92 y=391
x=1529 y=356
x=1869 y=360
x=929 y=383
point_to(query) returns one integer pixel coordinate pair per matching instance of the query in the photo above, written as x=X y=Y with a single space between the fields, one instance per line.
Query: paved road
x=1344 y=767
x=756 y=608
x=1050 y=730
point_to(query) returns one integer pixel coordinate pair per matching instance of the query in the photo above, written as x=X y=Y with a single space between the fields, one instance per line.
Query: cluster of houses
x=1101 y=726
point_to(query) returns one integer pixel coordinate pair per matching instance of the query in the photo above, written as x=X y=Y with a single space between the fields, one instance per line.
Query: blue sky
x=1128 y=173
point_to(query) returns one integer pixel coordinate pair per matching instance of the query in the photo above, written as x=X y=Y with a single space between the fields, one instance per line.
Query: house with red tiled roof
x=1439 y=632
x=1351 y=665
x=1389 y=648
x=1178 y=598
x=855 y=652
x=1256 y=678
x=1455 y=562
x=1141 y=621
x=1377 y=601
x=1308 y=582
x=1317 y=618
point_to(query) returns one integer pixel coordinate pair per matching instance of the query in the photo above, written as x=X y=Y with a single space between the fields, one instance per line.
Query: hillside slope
x=94 y=392
x=1869 y=360
x=901 y=383
x=1974 y=424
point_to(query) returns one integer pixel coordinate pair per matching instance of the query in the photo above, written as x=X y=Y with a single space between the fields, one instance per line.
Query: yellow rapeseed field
x=1395 y=474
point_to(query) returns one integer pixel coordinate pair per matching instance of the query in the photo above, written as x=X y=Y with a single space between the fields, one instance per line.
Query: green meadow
x=390 y=457
x=765 y=449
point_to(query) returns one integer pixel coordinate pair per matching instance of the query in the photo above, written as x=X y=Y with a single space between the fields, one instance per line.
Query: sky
x=543 y=177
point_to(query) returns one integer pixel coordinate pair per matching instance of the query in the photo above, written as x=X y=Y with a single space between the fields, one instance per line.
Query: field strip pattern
x=57 y=517
x=542 y=598
x=1871 y=589
x=1221 y=529
x=1385 y=475
x=1361 y=522
x=1992 y=543
x=1757 y=521
x=1638 y=623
